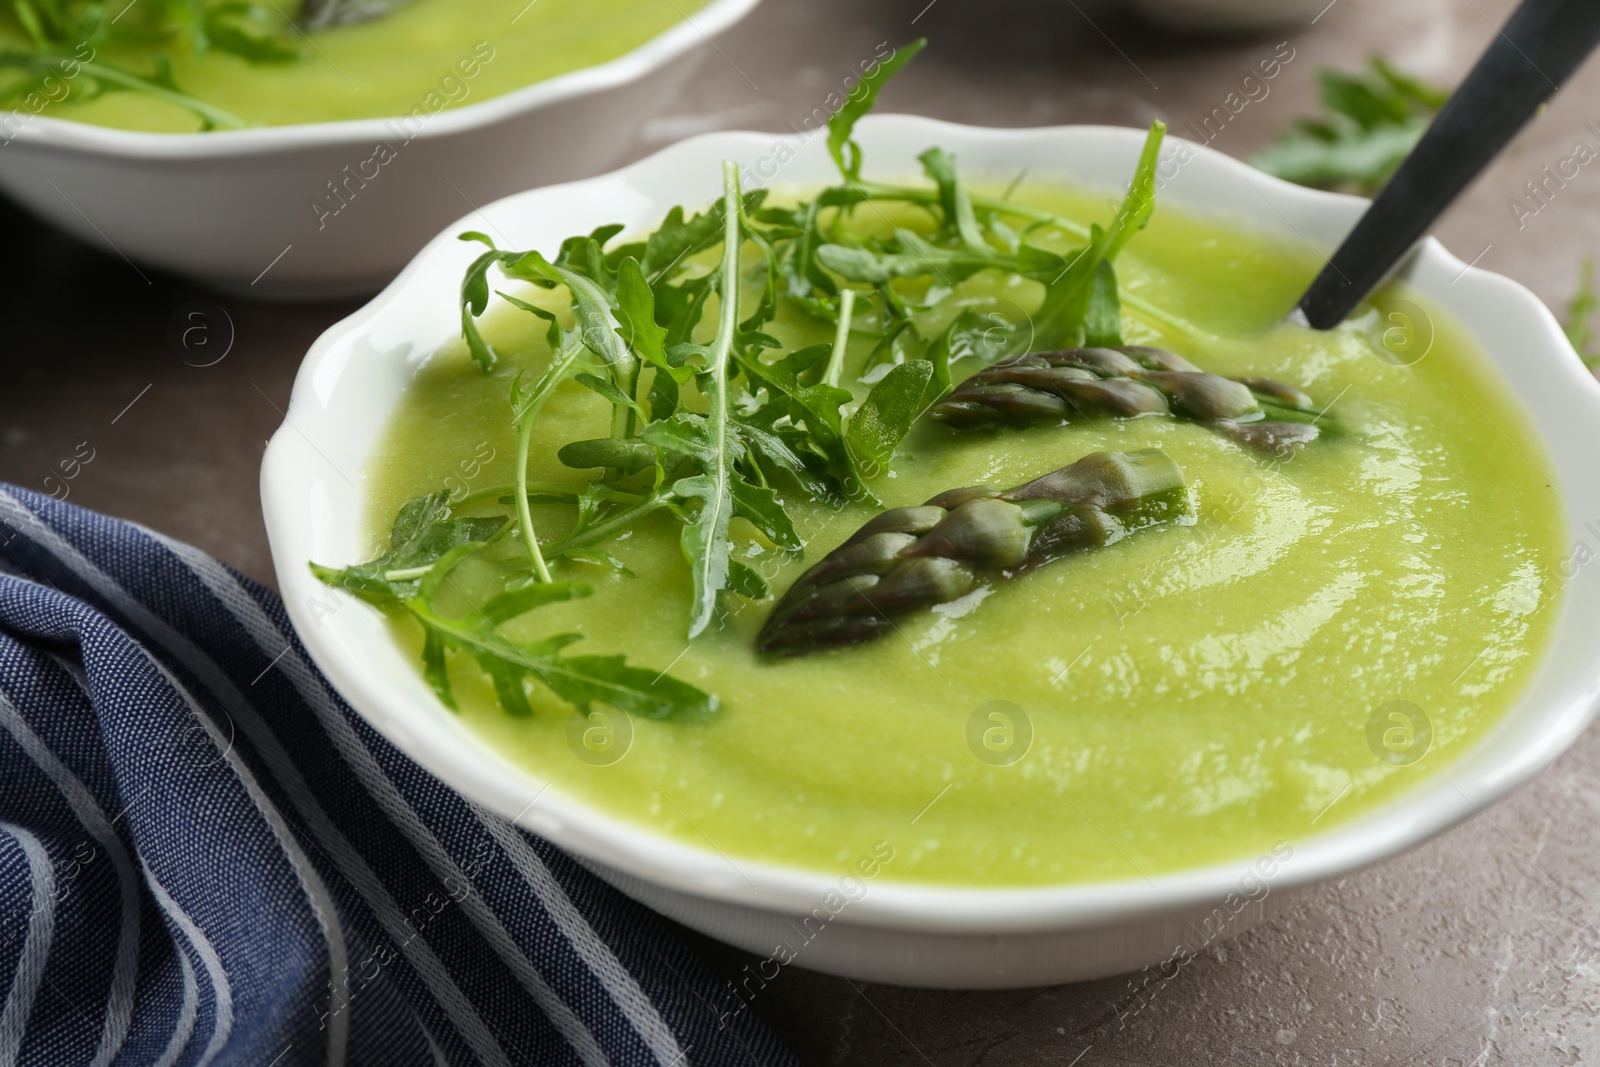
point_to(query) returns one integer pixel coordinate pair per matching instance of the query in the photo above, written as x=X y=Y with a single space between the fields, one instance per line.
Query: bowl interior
x=356 y=372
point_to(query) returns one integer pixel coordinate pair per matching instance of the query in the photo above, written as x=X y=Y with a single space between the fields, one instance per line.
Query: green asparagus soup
x=1330 y=626
x=174 y=66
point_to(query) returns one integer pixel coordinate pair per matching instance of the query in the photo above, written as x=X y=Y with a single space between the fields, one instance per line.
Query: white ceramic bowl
x=917 y=935
x=236 y=209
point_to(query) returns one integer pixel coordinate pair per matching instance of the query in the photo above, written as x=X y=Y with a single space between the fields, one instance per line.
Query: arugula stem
x=524 y=515
x=561 y=362
x=631 y=390
x=1006 y=206
x=466 y=635
x=497 y=646
x=705 y=540
x=841 y=337
x=600 y=531
x=410 y=574
x=50 y=63
x=728 y=312
x=987 y=203
x=407 y=574
x=1165 y=318
x=622 y=417
x=561 y=489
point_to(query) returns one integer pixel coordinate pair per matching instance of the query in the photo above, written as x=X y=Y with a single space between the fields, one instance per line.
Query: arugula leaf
x=593 y=287
x=107 y=77
x=708 y=438
x=636 y=306
x=475 y=299
x=223 y=26
x=664 y=396
x=846 y=153
x=941 y=353
x=676 y=239
x=520 y=598
x=806 y=283
x=1061 y=319
x=63 y=32
x=705 y=542
x=793 y=452
x=1425 y=96
x=1102 y=326
x=759 y=505
x=1371 y=123
x=815 y=407
x=586 y=680
x=680 y=308
x=423 y=531
x=746 y=580
x=1330 y=158
x=610 y=391
x=910 y=255
x=888 y=411
x=592 y=306
x=1075 y=288
x=581 y=681
x=953 y=199
x=426 y=545
x=629 y=457
x=1367 y=103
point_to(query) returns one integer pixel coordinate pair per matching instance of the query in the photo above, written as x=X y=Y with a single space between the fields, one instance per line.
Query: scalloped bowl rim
x=699 y=27
x=1481 y=774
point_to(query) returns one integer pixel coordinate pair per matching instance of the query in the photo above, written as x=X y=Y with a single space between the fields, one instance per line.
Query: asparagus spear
x=1127 y=382
x=320 y=14
x=911 y=558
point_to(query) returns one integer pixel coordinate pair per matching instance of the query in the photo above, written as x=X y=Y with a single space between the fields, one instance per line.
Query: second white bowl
x=245 y=210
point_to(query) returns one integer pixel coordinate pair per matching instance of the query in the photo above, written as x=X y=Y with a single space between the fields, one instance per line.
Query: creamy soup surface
x=1189 y=695
x=418 y=59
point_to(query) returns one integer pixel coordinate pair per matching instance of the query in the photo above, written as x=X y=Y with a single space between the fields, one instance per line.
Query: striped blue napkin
x=207 y=858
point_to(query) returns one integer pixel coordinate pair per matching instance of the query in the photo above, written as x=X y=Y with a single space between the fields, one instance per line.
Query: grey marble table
x=1475 y=949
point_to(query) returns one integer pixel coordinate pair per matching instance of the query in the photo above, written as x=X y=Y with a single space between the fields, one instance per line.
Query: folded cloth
x=207 y=857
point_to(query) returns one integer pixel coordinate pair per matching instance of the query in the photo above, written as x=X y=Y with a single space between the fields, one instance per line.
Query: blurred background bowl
x=1229 y=16
x=237 y=210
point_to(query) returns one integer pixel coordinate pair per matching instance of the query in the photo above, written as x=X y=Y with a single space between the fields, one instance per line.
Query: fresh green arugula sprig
x=426 y=545
x=711 y=418
x=759 y=419
x=704 y=467
x=635 y=309
x=94 y=79
x=246 y=28
x=66 y=37
x=1081 y=303
x=1372 y=122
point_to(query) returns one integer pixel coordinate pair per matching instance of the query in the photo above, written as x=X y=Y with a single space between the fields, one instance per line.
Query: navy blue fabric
x=207 y=858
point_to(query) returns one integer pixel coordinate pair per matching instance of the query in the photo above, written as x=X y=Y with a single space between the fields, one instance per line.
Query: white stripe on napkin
x=221 y=988
x=16 y=515
x=35 y=948
x=273 y=643
x=87 y=810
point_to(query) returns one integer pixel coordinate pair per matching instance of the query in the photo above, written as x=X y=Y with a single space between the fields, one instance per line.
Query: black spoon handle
x=1542 y=44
